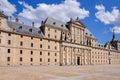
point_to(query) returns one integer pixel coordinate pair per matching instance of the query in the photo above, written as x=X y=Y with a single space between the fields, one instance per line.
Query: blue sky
x=99 y=16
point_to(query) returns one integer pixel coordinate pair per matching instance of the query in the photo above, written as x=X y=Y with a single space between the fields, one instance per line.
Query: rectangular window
x=9 y=34
x=40 y=59
x=21 y=43
x=31 y=52
x=31 y=44
x=31 y=37
x=55 y=47
x=31 y=59
x=48 y=29
x=55 y=60
x=8 y=50
x=9 y=42
x=55 y=54
x=48 y=60
x=40 y=53
x=55 y=37
x=0 y=40
x=21 y=36
x=20 y=59
x=48 y=46
x=0 y=22
x=21 y=51
x=48 y=35
x=8 y=59
x=40 y=45
x=40 y=39
x=48 y=53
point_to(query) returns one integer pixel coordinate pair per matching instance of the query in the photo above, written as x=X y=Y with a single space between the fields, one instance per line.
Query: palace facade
x=53 y=43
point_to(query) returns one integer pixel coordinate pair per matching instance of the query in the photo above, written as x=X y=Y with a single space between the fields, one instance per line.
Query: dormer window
x=90 y=34
x=39 y=32
x=61 y=25
x=54 y=23
x=20 y=27
x=30 y=30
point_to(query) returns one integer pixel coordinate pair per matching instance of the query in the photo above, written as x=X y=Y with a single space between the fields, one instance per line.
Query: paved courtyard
x=88 y=72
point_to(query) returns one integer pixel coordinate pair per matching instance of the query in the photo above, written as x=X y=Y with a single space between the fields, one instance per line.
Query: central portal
x=78 y=60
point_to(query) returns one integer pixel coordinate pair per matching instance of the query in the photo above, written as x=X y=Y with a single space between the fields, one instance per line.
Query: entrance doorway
x=78 y=60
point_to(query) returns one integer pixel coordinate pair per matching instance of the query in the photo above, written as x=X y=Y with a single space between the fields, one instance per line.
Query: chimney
x=17 y=19
x=77 y=18
x=33 y=24
x=10 y=18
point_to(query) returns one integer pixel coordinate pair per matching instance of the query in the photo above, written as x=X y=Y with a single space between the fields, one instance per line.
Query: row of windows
x=21 y=52
x=31 y=59
x=49 y=30
x=21 y=44
x=9 y=34
x=54 y=36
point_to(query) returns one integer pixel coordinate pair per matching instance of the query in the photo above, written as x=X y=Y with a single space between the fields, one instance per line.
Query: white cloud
x=7 y=7
x=108 y=17
x=63 y=11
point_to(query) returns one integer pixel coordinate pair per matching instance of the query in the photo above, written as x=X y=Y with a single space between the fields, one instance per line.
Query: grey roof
x=88 y=33
x=25 y=29
x=56 y=23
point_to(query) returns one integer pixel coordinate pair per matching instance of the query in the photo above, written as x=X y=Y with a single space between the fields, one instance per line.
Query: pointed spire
x=113 y=38
x=17 y=19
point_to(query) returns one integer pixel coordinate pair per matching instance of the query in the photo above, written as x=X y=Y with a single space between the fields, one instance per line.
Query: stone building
x=53 y=43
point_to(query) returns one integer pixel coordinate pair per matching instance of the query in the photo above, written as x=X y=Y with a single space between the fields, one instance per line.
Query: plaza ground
x=86 y=72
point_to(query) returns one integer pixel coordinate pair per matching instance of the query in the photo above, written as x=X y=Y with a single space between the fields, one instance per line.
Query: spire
x=17 y=19
x=113 y=38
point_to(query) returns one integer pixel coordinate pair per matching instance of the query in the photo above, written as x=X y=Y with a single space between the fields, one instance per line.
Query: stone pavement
x=87 y=72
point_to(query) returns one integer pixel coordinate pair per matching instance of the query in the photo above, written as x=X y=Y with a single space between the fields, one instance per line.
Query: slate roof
x=88 y=33
x=56 y=23
x=25 y=29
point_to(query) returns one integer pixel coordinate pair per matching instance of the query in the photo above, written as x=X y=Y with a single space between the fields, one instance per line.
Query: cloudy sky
x=101 y=17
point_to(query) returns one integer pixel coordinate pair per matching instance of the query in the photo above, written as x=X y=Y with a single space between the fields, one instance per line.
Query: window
x=48 y=53
x=21 y=51
x=31 y=44
x=31 y=52
x=40 y=45
x=8 y=50
x=31 y=37
x=9 y=34
x=40 y=59
x=31 y=59
x=48 y=29
x=40 y=39
x=48 y=60
x=0 y=22
x=9 y=42
x=48 y=46
x=21 y=36
x=0 y=40
x=21 y=43
x=30 y=30
x=40 y=53
x=20 y=59
x=8 y=59
x=55 y=60
x=55 y=54
x=48 y=35
x=55 y=30
x=48 y=40
x=55 y=47
x=55 y=36
x=54 y=23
